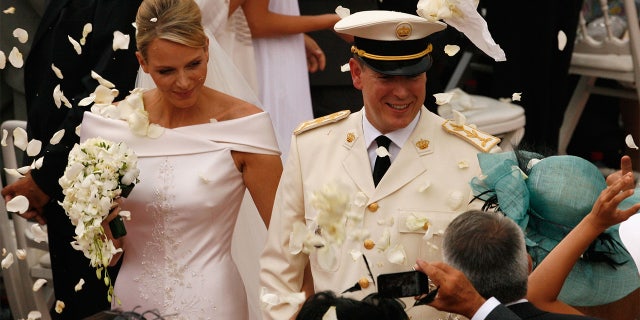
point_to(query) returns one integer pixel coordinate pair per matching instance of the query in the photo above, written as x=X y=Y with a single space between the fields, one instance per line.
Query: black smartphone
x=402 y=284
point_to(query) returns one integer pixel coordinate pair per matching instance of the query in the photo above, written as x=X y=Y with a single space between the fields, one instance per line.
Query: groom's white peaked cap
x=392 y=43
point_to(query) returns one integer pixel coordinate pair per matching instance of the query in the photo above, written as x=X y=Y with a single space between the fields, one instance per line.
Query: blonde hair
x=179 y=21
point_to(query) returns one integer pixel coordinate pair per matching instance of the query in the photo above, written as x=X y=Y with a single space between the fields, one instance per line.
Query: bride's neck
x=164 y=113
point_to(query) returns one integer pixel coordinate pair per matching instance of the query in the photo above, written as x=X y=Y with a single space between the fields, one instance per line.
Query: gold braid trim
x=363 y=53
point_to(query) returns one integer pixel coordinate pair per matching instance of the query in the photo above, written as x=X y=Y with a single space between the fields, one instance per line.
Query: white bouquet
x=98 y=172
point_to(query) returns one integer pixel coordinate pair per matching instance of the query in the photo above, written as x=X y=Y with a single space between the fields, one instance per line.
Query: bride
x=177 y=253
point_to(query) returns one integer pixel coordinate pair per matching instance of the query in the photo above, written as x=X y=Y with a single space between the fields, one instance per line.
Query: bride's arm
x=261 y=174
x=264 y=23
x=546 y=281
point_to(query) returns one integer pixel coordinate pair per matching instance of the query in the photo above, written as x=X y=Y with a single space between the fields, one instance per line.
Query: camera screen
x=403 y=284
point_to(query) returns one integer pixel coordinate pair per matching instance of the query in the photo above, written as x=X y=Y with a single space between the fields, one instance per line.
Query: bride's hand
x=114 y=213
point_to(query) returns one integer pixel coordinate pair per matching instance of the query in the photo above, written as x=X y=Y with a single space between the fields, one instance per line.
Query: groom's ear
x=141 y=61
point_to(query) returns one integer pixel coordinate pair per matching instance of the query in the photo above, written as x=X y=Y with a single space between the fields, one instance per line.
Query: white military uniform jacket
x=428 y=182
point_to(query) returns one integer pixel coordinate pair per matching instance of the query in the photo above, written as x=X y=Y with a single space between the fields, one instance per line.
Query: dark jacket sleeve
x=502 y=313
x=119 y=67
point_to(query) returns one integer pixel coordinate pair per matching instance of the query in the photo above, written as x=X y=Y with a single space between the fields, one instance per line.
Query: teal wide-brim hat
x=547 y=199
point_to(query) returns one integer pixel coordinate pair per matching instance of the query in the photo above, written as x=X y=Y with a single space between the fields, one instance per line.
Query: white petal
x=342 y=11
x=76 y=45
x=87 y=101
x=443 y=98
x=34 y=147
x=85 y=32
x=20 y=138
x=57 y=71
x=3 y=60
x=4 y=252
x=102 y=80
x=424 y=186
x=415 y=223
x=57 y=96
x=125 y=214
x=516 y=96
x=462 y=164
x=7 y=261
x=270 y=299
x=38 y=162
x=451 y=49
x=562 y=40
x=34 y=315
x=38 y=284
x=355 y=255
x=345 y=68
x=39 y=235
x=21 y=254
x=21 y=34
x=18 y=204
x=330 y=314
x=13 y=173
x=360 y=199
x=15 y=58
x=5 y=133
x=154 y=19
x=458 y=118
x=79 y=285
x=77 y=131
x=120 y=41
x=59 y=306
x=154 y=131
x=630 y=143
x=10 y=10
x=23 y=169
x=297 y=237
x=397 y=255
x=56 y=137
x=455 y=200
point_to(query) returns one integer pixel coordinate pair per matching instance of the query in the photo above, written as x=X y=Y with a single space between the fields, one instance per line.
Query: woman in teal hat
x=548 y=198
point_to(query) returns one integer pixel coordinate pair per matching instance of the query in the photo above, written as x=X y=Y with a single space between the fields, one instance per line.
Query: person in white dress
x=193 y=176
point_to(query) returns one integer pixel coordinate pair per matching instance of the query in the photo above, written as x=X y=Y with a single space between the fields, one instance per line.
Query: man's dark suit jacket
x=65 y=18
x=526 y=310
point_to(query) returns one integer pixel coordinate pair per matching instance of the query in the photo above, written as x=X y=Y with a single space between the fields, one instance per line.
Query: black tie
x=382 y=163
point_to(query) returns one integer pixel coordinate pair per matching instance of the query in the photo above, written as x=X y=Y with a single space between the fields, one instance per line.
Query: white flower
x=96 y=172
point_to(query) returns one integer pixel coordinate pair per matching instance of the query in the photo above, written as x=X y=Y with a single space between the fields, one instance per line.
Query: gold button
x=373 y=207
x=363 y=282
x=369 y=244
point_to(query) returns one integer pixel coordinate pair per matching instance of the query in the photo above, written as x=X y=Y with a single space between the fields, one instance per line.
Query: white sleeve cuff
x=486 y=308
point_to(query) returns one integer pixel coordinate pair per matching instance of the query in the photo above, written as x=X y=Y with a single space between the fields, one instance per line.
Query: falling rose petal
x=154 y=131
x=269 y=299
x=5 y=134
x=38 y=163
x=125 y=214
x=57 y=71
x=59 y=306
x=21 y=35
x=562 y=40
x=3 y=60
x=516 y=96
x=23 y=169
x=10 y=10
x=462 y=164
x=397 y=255
x=424 y=186
x=55 y=139
x=458 y=118
x=455 y=200
x=382 y=152
x=342 y=11
x=630 y=143
x=330 y=314
x=18 y=204
x=120 y=41
x=21 y=254
x=385 y=240
x=85 y=32
x=39 y=235
x=13 y=173
x=76 y=45
x=102 y=80
x=79 y=285
x=34 y=147
x=34 y=315
x=15 y=58
x=38 y=284
x=77 y=131
x=451 y=49
x=57 y=96
x=355 y=254
x=7 y=261
x=20 y=138
x=87 y=101
x=443 y=98
x=345 y=68
x=154 y=19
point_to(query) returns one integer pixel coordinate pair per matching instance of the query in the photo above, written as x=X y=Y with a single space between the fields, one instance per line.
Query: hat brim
x=400 y=68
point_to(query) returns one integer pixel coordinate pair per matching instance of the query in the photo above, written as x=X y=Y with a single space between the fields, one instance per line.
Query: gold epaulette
x=481 y=140
x=317 y=122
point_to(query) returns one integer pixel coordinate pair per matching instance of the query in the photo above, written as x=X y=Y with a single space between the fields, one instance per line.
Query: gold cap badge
x=403 y=30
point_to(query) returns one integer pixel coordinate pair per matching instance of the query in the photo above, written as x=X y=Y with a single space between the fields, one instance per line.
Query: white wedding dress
x=183 y=210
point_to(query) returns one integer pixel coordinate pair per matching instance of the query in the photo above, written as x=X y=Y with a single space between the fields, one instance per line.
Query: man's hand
x=456 y=293
x=37 y=198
